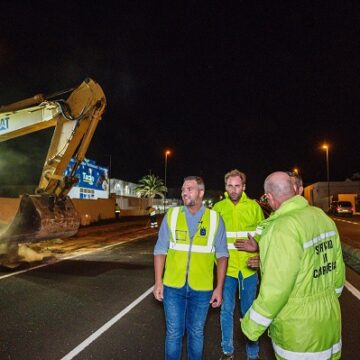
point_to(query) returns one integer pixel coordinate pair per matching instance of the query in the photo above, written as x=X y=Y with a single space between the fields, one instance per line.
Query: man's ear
x=244 y=187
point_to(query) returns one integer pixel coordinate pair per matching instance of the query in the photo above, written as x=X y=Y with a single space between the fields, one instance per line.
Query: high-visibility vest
x=302 y=276
x=187 y=260
x=239 y=219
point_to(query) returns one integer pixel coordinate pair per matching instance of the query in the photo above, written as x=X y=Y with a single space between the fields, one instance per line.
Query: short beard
x=237 y=198
x=192 y=203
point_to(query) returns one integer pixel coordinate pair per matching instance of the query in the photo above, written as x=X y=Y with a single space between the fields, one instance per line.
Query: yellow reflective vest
x=239 y=219
x=302 y=275
x=187 y=259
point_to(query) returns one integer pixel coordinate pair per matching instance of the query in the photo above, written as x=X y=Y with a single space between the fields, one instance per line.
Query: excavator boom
x=50 y=213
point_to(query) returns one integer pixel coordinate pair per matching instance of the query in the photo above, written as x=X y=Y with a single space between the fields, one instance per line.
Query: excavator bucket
x=42 y=217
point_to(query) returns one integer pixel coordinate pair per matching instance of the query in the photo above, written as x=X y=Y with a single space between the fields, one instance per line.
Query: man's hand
x=216 y=298
x=254 y=262
x=159 y=291
x=249 y=245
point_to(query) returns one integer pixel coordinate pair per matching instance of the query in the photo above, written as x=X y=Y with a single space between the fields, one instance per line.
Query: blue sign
x=91 y=176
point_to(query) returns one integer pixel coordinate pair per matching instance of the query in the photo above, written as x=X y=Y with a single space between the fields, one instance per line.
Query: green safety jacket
x=302 y=276
x=239 y=219
x=191 y=260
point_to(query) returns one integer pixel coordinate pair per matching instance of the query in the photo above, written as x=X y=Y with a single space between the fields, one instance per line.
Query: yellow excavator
x=50 y=213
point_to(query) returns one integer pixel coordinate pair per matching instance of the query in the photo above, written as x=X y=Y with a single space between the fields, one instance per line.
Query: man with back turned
x=302 y=276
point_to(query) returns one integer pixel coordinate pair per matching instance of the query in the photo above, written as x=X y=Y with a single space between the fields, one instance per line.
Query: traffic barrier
x=351 y=257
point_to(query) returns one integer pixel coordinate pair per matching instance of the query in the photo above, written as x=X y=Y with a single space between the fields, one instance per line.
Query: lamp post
x=326 y=148
x=167 y=153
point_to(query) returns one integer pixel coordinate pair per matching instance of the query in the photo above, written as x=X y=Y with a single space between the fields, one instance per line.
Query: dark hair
x=198 y=180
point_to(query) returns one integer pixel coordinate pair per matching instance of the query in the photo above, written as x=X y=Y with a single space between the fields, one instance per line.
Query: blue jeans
x=185 y=308
x=247 y=292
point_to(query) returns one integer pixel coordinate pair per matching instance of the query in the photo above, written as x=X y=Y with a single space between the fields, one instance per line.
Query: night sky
x=252 y=85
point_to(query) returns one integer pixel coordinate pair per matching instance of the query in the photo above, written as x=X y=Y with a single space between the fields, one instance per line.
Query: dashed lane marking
x=347 y=221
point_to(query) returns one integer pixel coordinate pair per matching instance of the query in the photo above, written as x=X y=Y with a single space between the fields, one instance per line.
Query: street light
x=296 y=171
x=167 y=153
x=326 y=148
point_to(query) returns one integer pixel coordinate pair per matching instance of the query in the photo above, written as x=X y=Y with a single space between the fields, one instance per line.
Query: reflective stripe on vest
x=259 y=319
x=173 y=219
x=259 y=230
x=237 y=235
x=194 y=248
x=319 y=355
x=319 y=238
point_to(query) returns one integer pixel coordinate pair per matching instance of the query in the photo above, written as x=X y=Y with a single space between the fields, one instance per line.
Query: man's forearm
x=221 y=271
x=159 y=263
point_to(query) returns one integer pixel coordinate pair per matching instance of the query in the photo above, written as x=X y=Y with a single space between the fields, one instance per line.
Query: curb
x=351 y=257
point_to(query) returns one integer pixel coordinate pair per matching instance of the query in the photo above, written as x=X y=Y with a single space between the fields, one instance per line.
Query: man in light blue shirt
x=196 y=236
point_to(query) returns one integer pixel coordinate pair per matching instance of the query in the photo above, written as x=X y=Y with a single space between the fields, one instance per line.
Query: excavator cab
x=50 y=213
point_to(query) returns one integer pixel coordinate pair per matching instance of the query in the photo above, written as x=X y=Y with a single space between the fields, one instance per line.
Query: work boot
x=227 y=356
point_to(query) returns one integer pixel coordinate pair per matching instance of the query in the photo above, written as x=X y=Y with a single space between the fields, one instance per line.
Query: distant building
x=130 y=201
x=123 y=188
x=318 y=193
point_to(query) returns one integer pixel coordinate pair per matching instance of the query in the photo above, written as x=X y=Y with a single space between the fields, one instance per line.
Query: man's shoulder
x=211 y=211
x=171 y=210
x=253 y=203
x=220 y=205
x=313 y=217
x=248 y=200
x=308 y=211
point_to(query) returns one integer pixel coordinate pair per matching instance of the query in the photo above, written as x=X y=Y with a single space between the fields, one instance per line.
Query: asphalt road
x=95 y=302
x=349 y=228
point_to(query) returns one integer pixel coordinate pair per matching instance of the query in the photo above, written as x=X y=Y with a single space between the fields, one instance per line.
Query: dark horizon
x=247 y=86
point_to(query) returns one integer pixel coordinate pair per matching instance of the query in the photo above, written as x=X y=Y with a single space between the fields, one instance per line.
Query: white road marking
x=353 y=289
x=67 y=258
x=106 y=326
x=347 y=221
x=26 y=270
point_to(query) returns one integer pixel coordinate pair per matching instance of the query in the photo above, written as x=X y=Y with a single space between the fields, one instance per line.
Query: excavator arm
x=75 y=121
x=50 y=213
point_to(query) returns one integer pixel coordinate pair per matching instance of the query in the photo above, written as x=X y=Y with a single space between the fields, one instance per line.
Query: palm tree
x=150 y=186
